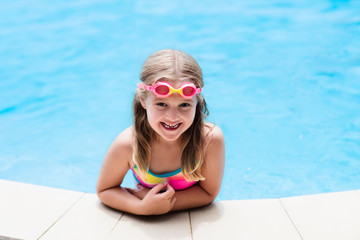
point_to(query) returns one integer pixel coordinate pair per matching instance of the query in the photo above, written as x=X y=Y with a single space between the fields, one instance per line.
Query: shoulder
x=214 y=142
x=122 y=146
x=125 y=138
x=213 y=133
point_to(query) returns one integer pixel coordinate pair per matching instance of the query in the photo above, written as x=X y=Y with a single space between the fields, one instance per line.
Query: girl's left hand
x=159 y=200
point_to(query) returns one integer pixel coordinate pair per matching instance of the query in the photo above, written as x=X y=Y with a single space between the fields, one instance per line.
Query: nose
x=173 y=114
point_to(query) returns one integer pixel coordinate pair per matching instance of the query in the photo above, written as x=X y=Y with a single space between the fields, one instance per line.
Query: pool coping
x=37 y=212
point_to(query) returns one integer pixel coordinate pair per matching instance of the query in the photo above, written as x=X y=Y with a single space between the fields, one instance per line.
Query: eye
x=184 y=105
x=161 y=104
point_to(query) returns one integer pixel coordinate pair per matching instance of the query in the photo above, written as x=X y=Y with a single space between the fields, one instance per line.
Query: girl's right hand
x=157 y=202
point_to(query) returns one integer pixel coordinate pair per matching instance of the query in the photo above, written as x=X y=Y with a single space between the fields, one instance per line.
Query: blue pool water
x=282 y=81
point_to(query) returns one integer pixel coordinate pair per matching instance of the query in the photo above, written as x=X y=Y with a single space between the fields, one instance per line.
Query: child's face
x=170 y=116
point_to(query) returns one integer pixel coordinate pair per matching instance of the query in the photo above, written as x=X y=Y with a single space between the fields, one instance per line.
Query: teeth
x=171 y=125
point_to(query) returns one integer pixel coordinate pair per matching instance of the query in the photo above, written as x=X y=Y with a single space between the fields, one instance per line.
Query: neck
x=168 y=144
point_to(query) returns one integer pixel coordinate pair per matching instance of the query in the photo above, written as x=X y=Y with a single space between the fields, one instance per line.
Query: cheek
x=151 y=120
x=149 y=114
x=190 y=115
x=152 y=114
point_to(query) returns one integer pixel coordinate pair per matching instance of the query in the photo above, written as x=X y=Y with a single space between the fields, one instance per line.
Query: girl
x=176 y=158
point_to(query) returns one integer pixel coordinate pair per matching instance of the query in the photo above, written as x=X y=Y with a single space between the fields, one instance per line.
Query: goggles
x=164 y=89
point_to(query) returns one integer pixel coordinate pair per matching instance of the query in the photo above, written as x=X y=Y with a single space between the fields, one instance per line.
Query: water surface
x=282 y=81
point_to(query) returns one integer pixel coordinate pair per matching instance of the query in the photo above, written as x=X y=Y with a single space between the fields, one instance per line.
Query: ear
x=142 y=101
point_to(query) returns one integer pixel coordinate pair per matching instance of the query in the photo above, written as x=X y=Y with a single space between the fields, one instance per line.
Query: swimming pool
x=282 y=81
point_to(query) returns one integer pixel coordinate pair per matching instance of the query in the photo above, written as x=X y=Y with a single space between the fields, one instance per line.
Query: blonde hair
x=179 y=66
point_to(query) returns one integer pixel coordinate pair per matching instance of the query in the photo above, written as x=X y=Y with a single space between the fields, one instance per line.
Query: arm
x=205 y=191
x=112 y=173
x=115 y=166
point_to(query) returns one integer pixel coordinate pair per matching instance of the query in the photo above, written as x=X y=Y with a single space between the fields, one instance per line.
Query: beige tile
x=169 y=226
x=326 y=216
x=27 y=211
x=243 y=219
x=88 y=219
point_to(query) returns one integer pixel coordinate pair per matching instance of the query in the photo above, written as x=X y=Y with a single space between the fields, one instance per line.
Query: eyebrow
x=184 y=100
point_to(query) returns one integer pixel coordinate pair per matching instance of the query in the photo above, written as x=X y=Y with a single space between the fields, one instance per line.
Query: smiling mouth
x=171 y=126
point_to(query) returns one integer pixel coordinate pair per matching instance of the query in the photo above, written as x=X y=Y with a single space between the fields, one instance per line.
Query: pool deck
x=38 y=212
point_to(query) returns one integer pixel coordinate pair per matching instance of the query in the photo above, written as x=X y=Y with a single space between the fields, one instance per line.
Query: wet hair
x=172 y=65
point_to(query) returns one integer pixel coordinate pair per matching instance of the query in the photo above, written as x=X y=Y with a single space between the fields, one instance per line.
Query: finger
x=158 y=188
x=170 y=189
x=169 y=193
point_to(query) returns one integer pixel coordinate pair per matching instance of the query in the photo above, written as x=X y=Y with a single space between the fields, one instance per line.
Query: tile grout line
x=62 y=215
x=293 y=223
x=122 y=214
x=191 y=229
